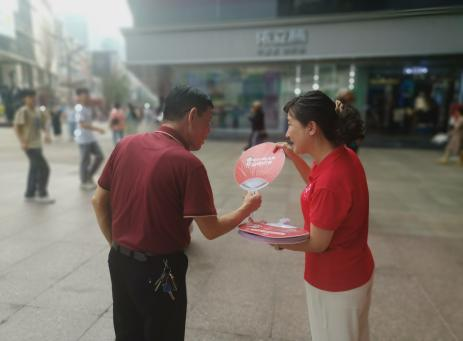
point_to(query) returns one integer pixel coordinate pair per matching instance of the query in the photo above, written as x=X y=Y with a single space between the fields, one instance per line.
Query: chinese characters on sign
x=282 y=42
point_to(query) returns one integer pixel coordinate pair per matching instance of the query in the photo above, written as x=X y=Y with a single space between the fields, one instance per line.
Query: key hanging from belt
x=166 y=280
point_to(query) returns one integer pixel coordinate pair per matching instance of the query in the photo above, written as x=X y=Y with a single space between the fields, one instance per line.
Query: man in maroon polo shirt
x=151 y=189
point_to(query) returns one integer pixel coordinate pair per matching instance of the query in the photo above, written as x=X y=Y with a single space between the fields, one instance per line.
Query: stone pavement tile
x=7 y=310
x=425 y=256
x=88 y=289
x=19 y=290
x=50 y=231
x=384 y=252
x=446 y=294
x=108 y=314
x=193 y=334
x=20 y=220
x=290 y=318
x=199 y=272
x=14 y=249
x=207 y=251
x=102 y=330
x=30 y=277
x=32 y=324
x=236 y=299
x=54 y=262
x=242 y=250
x=387 y=199
x=400 y=311
x=86 y=233
x=400 y=223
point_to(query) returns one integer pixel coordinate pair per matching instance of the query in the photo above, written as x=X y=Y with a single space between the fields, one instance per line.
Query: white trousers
x=339 y=316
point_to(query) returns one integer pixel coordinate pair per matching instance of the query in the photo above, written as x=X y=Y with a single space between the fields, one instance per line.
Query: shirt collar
x=174 y=135
x=318 y=169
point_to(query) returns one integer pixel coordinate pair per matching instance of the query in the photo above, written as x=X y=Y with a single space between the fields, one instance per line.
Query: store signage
x=415 y=70
x=282 y=42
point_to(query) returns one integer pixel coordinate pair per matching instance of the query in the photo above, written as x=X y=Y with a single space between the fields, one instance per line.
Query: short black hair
x=82 y=91
x=183 y=98
x=28 y=92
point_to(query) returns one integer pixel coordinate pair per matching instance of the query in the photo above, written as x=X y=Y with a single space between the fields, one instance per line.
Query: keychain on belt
x=166 y=281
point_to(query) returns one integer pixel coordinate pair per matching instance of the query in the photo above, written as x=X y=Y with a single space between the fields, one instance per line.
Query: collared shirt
x=32 y=122
x=156 y=188
x=83 y=115
x=336 y=199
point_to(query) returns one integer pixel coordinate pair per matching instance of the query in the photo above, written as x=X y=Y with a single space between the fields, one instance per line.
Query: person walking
x=455 y=142
x=151 y=189
x=133 y=119
x=91 y=155
x=338 y=261
x=347 y=98
x=71 y=122
x=117 y=123
x=56 y=114
x=28 y=124
x=257 y=119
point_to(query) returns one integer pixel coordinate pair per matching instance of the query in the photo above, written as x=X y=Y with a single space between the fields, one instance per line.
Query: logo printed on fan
x=260 y=161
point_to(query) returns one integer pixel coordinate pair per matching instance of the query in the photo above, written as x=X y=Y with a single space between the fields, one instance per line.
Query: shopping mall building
x=240 y=51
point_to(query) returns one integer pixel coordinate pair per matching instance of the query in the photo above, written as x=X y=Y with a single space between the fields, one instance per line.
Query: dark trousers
x=140 y=313
x=88 y=167
x=39 y=172
x=256 y=137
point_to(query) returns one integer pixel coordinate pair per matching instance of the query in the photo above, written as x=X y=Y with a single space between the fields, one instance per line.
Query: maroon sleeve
x=328 y=208
x=198 y=200
x=106 y=176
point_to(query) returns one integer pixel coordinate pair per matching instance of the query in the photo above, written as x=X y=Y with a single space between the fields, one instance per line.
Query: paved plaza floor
x=54 y=281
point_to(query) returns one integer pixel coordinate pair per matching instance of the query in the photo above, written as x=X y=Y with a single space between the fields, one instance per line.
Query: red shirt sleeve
x=328 y=208
x=198 y=200
x=106 y=176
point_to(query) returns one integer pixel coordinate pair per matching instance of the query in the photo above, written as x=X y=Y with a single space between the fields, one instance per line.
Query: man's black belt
x=137 y=255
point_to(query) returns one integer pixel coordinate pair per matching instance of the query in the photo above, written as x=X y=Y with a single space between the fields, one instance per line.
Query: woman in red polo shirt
x=338 y=262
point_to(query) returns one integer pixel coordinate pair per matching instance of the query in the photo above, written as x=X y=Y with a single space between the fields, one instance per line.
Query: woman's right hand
x=287 y=148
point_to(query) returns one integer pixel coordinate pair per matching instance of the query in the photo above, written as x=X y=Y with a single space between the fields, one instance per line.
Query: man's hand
x=251 y=202
x=212 y=226
x=287 y=148
x=100 y=130
x=47 y=138
x=24 y=145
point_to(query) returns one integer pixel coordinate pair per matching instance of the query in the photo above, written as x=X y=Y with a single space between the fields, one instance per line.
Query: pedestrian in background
x=56 y=114
x=347 y=97
x=133 y=119
x=338 y=262
x=150 y=191
x=71 y=122
x=117 y=123
x=455 y=143
x=91 y=155
x=257 y=119
x=28 y=124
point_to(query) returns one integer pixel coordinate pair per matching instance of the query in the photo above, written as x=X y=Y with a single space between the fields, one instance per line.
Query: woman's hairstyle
x=340 y=123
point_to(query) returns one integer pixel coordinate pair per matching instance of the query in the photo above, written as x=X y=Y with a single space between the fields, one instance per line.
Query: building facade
x=29 y=52
x=387 y=52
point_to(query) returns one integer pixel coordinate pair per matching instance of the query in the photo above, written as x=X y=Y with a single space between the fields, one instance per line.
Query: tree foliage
x=116 y=88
